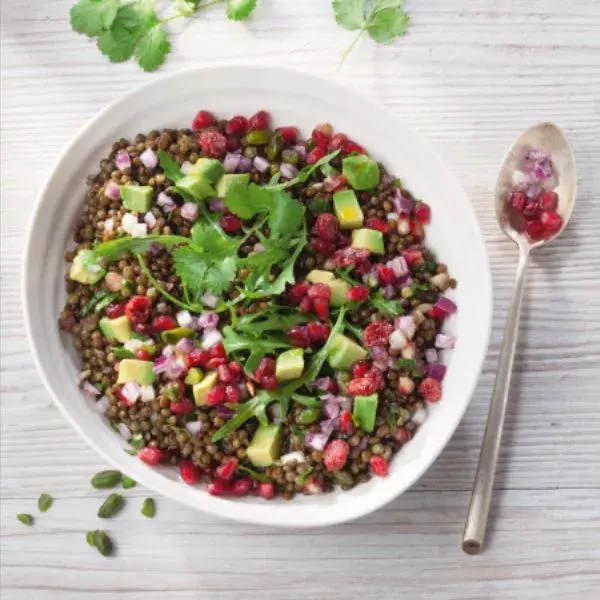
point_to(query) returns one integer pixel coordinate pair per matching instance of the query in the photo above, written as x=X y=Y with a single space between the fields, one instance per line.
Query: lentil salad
x=259 y=310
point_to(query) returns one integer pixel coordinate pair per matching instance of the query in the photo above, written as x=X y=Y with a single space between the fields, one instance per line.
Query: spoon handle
x=481 y=497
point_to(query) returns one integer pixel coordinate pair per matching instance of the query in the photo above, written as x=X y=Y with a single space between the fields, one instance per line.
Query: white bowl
x=293 y=98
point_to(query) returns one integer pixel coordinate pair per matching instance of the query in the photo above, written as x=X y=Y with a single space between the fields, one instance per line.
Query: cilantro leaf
x=153 y=48
x=387 y=24
x=390 y=307
x=92 y=17
x=350 y=14
x=170 y=168
x=114 y=249
x=238 y=10
x=254 y=474
x=119 y=45
x=245 y=201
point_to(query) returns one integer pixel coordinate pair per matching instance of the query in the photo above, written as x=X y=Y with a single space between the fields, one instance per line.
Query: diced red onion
x=329 y=426
x=538 y=163
x=379 y=353
x=409 y=351
x=166 y=202
x=102 y=405
x=161 y=364
x=168 y=350
x=322 y=383
x=329 y=265
x=398 y=341
x=401 y=204
x=399 y=266
x=315 y=440
x=436 y=371
x=139 y=230
x=207 y=320
x=406 y=385
x=261 y=164
x=288 y=171
x=403 y=225
x=231 y=162
x=131 y=391
x=331 y=410
x=150 y=220
x=149 y=158
x=147 y=393
x=292 y=457
x=184 y=318
x=210 y=337
x=445 y=304
x=419 y=416
x=128 y=222
x=124 y=431
x=184 y=346
x=133 y=345
x=123 y=160
x=112 y=191
x=176 y=368
x=444 y=342
x=216 y=205
x=186 y=166
x=195 y=427
x=109 y=224
x=431 y=355
x=245 y=165
x=90 y=389
x=209 y=299
x=224 y=412
x=392 y=216
x=406 y=324
x=388 y=291
x=301 y=150
x=189 y=211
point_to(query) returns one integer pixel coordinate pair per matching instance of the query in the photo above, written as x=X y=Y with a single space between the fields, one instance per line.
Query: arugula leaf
x=305 y=173
x=122 y=353
x=237 y=342
x=406 y=363
x=390 y=307
x=238 y=10
x=170 y=168
x=254 y=474
x=114 y=249
x=304 y=476
x=99 y=301
x=274 y=318
x=246 y=411
x=350 y=14
x=152 y=50
x=307 y=401
x=91 y=17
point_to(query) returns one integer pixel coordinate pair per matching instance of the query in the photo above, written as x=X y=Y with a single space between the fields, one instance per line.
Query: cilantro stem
x=351 y=46
x=186 y=13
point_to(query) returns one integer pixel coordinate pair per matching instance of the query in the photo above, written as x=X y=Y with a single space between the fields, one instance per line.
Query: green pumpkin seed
x=103 y=542
x=290 y=156
x=111 y=506
x=89 y=538
x=274 y=147
x=149 y=508
x=45 y=502
x=127 y=482
x=25 y=519
x=106 y=479
x=257 y=137
x=308 y=416
x=343 y=478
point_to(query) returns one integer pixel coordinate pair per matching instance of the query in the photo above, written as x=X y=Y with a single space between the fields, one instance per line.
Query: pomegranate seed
x=218 y=488
x=138 y=309
x=422 y=213
x=298 y=291
x=215 y=363
x=335 y=455
x=142 y=354
x=306 y=305
x=289 y=134
x=346 y=423
x=360 y=369
x=334 y=183
x=430 y=389
x=531 y=210
x=216 y=395
x=189 y=472
x=217 y=351
x=269 y=382
x=350 y=256
x=164 y=323
x=362 y=386
x=236 y=125
x=377 y=224
x=517 y=221
x=413 y=256
x=266 y=490
x=314 y=155
x=224 y=374
x=259 y=120
x=142 y=328
x=318 y=332
x=115 y=310
x=362 y=268
x=321 y=308
x=321 y=135
x=377 y=334
x=417 y=230
x=548 y=201
x=182 y=408
x=227 y=468
x=213 y=143
x=204 y=119
x=402 y=436
x=319 y=290
x=198 y=358
x=298 y=336
x=376 y=377
x=241 y=487
x=233 y=143
x=327 y=227
x=151 y=456
x=236 y=370
x=551 y=220
x=358 y=293
x=230 y=223
x=517 y=200
x=232 y=394
x=379 y=466
x=337 y=142
x=323 y=247
x=385 y=275
x=351 y=146
x=265 y=367
x=535 y=230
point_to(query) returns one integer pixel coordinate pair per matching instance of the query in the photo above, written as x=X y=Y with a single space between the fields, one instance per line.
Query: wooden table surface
x=470 y=76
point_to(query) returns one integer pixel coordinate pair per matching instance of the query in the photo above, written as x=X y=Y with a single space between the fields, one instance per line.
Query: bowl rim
x=218 y=506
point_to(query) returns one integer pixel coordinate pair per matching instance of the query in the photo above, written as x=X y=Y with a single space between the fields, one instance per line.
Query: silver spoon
x=550 y=139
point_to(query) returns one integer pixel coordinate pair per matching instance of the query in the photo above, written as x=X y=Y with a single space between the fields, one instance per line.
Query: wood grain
x=469 y=77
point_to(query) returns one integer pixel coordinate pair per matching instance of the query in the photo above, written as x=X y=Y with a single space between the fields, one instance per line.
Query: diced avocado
x=195 y=186
x=116 y=329
x=172 y=336
x=365 y=409
x=361 y=171
x=289 y=365
x=339 y=292
x=371 y=239
x=347 y=209
x=139 y=371
x=86 y=268
x=316 y=276
x=345 y=352
x=228 y=180
x=194 y=376
x=137 y=197
x=210 y=168
x=265 y=447
x=206 y=385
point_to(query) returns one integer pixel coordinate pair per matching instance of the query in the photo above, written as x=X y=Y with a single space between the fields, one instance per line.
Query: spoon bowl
x=548 y=138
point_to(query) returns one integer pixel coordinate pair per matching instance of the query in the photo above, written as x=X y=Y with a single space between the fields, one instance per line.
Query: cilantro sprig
x=382 y=20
